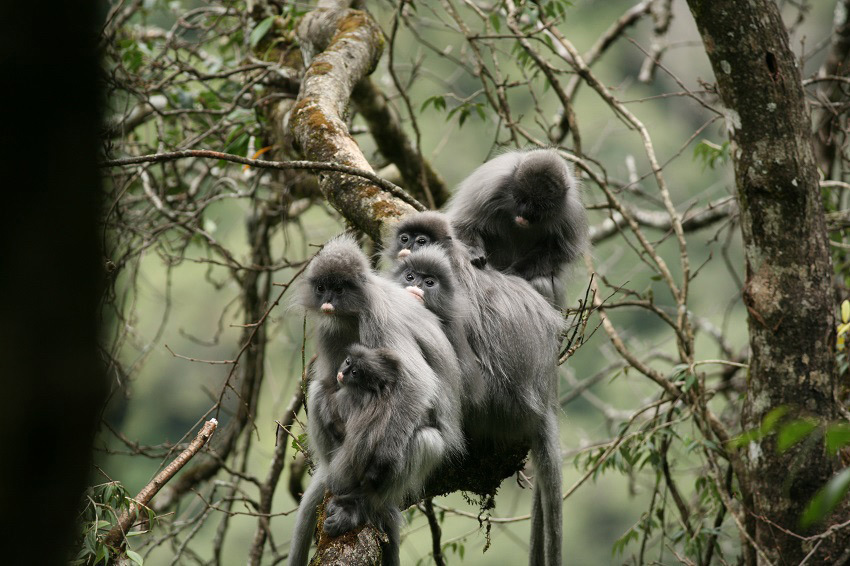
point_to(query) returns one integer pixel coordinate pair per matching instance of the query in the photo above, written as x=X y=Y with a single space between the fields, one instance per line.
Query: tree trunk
x=789 y=272
x=51 y=274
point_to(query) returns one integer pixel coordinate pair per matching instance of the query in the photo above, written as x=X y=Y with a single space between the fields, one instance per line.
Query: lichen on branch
x=341 y=47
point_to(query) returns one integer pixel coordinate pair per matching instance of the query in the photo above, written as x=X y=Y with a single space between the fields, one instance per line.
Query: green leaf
x=261 y=30
x=437 y=100
x=496 y=21
x=794 y=432
x=102 y=554
x=135 y=557
x=770 y=419
x=837 y=436
x=826 y=499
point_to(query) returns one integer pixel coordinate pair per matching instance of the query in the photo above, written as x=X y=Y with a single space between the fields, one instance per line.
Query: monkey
x=376 y=402
x=353 y=305
x=428 y=275
x=521 y=212
x=515 y=334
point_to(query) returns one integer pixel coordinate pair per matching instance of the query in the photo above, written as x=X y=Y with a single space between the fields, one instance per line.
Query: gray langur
x=428 y=275
x=515 y=334
x=382 y=420
x=521 y=212
x=356 y=306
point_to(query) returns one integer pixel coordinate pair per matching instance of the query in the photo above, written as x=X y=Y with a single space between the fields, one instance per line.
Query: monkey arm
x=471 y=235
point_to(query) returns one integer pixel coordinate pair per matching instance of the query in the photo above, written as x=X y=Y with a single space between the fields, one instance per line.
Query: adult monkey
x=355 y=306
x=521 y=213
x=515 y=334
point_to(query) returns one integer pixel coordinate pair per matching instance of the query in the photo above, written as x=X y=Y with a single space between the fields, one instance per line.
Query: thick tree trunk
x=788 y=288
x=51 y=274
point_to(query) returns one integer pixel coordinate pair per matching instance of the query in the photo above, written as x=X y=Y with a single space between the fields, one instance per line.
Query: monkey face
x=536 y=203
x=347 y=372
x=337 y=295
x=368 y=370
x=411 y=241
x=420 y=285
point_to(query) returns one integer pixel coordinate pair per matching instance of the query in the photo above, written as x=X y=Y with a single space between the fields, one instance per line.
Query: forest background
x=198 y=253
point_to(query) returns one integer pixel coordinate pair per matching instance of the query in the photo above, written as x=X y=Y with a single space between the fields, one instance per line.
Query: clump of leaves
x=102 y=505
x=711 y=154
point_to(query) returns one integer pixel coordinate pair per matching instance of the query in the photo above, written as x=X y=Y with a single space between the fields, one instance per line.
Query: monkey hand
x=340 y=517
x=479 y=259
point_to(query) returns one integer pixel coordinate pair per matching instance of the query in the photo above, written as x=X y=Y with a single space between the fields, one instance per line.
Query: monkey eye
x=404 y=238
x=421 y=240
x=347 y=361
x=409 y=276
x=429 y=282
x=320 y=288
x=354 y=372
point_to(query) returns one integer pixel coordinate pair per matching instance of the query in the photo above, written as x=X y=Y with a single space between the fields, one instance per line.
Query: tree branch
x=370 y=175
x=347 y=45
x=116 y=534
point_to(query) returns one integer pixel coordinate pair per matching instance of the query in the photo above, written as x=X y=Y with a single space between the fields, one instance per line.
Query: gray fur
x=515 y=334
x=377 y=314
x=430 y=271
x=537 y=185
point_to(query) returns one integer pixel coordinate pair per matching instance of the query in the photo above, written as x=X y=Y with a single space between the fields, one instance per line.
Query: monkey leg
x=546 y=451
x=391 y=551
x=305 y=521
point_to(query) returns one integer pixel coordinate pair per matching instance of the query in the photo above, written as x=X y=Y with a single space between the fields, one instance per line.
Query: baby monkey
x=375 y=404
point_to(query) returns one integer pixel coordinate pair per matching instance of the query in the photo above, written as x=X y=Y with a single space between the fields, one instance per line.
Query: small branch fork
x=116 y=535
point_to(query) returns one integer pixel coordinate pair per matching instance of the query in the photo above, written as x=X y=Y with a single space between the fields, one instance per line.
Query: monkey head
x=428 y=276
x=335 y=279
x=367 y=369
x=539 y=188
x=416 y=232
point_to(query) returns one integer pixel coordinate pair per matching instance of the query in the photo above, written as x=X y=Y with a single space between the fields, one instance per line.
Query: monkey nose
x=339 y=377
x=520 y=221
x=403 y=253
x=327 y=308
x=416 y=292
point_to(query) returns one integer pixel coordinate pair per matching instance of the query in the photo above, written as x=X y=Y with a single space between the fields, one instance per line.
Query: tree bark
x=341 y=46
x=789 y=272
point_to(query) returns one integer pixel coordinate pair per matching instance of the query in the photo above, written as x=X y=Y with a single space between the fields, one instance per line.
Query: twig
x=427 y=508
x=113 y=538
x=391 y=188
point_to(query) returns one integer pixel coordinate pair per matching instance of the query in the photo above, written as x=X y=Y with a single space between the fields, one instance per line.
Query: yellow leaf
x=845 y=311
x=843 y=328
x=268 y=147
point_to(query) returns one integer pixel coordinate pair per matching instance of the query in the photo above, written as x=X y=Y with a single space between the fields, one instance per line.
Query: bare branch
x=116 y=534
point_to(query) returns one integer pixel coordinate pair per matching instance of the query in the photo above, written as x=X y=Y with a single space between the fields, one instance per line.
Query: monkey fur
x=355 y=306
x=429 y=276
x=521 y=213
x=515 y=334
